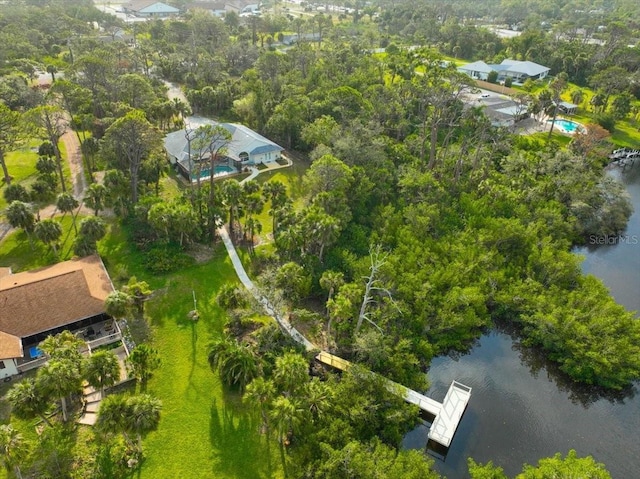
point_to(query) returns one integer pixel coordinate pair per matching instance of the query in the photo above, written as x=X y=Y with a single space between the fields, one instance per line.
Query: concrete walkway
x=246 y=281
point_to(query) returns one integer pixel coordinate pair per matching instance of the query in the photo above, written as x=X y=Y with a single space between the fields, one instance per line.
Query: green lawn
x=292 y=179
x=205 y=431
x=560 y=138
x=17 y=253
x=22 y=167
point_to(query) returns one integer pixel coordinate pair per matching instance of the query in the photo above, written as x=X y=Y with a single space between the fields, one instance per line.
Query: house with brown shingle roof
x=42 y=302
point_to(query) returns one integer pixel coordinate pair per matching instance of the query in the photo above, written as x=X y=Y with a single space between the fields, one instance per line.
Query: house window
x=2 y=365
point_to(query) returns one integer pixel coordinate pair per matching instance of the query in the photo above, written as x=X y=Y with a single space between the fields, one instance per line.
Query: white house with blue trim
x=518 y=71
x=246 y=148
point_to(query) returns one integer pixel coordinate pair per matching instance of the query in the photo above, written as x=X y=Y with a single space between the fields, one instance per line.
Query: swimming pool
x=218 y=170
x=567 y=126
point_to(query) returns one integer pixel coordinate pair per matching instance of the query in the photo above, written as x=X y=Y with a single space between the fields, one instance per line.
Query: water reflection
x=581 y=394
x=524 y=408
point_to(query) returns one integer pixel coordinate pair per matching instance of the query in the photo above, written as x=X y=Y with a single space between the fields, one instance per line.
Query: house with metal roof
x=244 y=148
x=217 y=8
x=35 y=304
x=150 y=9
x=518 y=71
x=477 y=70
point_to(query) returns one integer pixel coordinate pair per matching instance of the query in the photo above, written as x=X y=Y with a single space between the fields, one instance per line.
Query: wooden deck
x=447 y=414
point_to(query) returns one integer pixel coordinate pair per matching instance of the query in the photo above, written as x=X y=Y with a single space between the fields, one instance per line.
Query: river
x=521 y=409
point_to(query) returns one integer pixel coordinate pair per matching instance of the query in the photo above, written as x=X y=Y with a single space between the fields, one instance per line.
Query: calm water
x=521 y=409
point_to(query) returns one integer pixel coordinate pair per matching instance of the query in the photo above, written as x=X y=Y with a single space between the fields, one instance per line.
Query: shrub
x=231 y=297
x=162 y=259
x=492 y=77
x=508 y=82
x=606 y=121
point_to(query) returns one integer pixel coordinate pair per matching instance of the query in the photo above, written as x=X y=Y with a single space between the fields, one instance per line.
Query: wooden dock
x=447 y=414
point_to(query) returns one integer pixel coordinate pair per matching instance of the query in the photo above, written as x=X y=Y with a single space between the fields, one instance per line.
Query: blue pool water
x=217 y=170
x=567 y=126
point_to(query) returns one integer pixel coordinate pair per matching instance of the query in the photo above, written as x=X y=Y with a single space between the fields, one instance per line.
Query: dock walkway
x=447 y=413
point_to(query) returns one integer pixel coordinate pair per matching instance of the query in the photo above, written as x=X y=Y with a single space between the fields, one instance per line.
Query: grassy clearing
x=205 y=431
x=17 y=252
x=170 y=186
x=560 y=138
x=22 y=167
x=292 y=178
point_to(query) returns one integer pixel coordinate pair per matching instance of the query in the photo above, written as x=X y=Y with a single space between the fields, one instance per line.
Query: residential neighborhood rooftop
x=50 y=297
x=243 y=140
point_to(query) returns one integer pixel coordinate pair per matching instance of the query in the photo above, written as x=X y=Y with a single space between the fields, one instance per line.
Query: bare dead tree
x=373 y=287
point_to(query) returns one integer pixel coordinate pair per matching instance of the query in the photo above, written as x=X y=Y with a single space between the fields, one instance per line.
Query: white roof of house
x=160 y=7
x=528 y=68
x=149 y=6
x=478 y=66
x=243 y=140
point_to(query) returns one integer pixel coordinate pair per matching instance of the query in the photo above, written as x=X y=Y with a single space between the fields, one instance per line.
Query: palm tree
x=60 y=378
x=64 y=345
x=92 y=229
x=236 y=362
x=276 y=193
x=49 y=232
x=28 y=400
x=577 y=96
x=141 y=363
x=111 y=415
x=261 y=392
x=292 y=372
x=95 y=197
x=138 y=291
x=232 y=193
x=117 y=304
x=137 y=415
x=67 y=203
x=286 y=414
x=102 y=370
x=12 y=449
x=144 y=415
x=20 y=215
x=317 y=398
x=52 y=70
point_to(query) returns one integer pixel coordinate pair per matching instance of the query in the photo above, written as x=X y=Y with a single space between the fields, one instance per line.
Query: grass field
x=205 y=431
x=18 y=253
x=292 y=178
x=22 y=167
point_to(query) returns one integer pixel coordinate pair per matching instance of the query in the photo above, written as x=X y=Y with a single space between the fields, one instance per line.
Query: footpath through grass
x=204 y=430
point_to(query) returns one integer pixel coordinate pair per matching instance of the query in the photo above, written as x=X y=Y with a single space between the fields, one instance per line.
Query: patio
x=94 y=335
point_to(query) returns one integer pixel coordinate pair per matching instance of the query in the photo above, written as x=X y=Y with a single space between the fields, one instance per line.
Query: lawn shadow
x=238 y=447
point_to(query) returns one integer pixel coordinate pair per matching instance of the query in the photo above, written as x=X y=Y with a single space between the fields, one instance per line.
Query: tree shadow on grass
x=239 y=449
